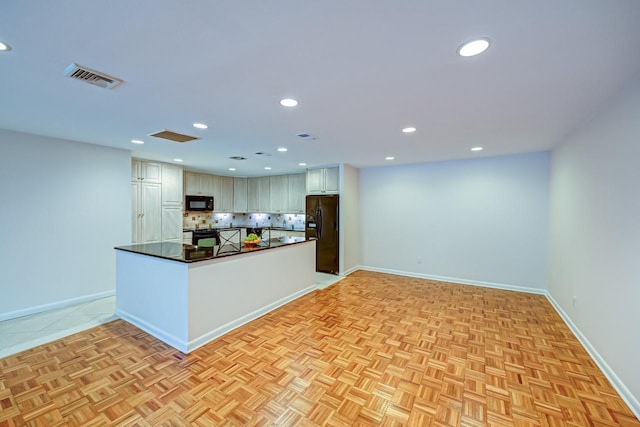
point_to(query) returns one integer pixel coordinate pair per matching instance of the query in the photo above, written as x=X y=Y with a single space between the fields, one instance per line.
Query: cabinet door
x=187 y=237
x=151 y=216
x=315 y=181
x=226 y=194
x=136 y=168
x=332 y=180
x=192 y=183
x=253 y=195
x=151 y=172
x=135 y=212
x=171 y=185
x=264 y=194
x=172 y=223
x=296 y=193
x=240 y=188
x=279 y=189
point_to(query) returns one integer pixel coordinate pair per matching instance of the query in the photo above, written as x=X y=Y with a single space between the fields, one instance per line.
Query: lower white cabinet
x=187 y=237
x=146 y=217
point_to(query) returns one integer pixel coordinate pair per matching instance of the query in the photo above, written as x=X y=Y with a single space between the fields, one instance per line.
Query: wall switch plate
x=419 y=260
x=574 y=300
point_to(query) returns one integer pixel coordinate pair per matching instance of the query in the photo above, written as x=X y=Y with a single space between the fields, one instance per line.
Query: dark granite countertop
x=190 y=253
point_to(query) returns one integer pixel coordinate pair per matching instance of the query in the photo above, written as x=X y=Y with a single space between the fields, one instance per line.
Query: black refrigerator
x=322 y=223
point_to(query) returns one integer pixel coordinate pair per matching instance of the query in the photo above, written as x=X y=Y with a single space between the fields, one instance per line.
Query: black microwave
x=198 y=203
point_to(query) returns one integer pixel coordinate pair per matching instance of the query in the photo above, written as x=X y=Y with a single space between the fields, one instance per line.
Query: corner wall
x=481 y=221
x=595 y=235
x=349 y=220
x=65 y=206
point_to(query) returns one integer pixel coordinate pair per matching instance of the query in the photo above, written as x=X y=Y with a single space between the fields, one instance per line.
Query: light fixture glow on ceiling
x=409 y=129
x=302 y=164
x=178 y=160
x=389 y=158
x=232 y=169
x=267 y=168
x=4 y=47
x=137 y=141
x=474 y=47
x=200 y=126
x=476 y=149
x=288 y=102
x=282 y=149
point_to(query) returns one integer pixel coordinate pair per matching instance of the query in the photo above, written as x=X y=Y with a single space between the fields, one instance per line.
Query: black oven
x=198 y=203
x=205 y=234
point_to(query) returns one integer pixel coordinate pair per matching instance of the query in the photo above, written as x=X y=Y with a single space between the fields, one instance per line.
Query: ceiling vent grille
x=306 y=135
x=90 y=76
x=173 y=136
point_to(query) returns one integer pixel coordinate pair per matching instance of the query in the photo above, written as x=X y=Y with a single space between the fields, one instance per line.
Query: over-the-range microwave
x=198 y=203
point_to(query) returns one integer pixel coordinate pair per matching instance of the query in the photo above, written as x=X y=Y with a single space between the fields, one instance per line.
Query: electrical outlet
x=574 y=300
x=419 y=260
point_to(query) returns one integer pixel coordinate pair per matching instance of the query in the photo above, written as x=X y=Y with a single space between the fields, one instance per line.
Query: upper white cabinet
x=222 y=193
x=323 y=181
x=259 y=191
x=279 y=197
x=171 y=185
x=240 y=195
x=296 y=193
x=198 y=184
x=142 y=170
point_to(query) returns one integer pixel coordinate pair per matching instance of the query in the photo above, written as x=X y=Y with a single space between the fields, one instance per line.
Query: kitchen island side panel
x=226 y=293
x=151 y=293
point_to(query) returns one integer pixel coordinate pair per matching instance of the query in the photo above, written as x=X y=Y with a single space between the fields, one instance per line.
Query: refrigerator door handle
x=319 y=219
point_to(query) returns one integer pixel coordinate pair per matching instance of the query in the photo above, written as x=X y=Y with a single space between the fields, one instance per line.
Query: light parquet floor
x=373 y=349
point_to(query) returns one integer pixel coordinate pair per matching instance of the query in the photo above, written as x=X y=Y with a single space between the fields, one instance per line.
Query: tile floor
x=26 y=332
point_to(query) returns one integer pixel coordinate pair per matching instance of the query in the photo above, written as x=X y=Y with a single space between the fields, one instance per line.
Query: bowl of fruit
x=251 y=240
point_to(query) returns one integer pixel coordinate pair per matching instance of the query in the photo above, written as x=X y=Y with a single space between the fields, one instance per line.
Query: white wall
x=349 y=220
x=65 y=205
x=481 y=221
x=595 y=233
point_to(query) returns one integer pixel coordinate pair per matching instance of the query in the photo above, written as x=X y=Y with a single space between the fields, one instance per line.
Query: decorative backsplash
x=198 y=219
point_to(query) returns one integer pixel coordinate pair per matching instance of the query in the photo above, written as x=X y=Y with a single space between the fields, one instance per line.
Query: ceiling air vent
x=90 y=76
x=306 y=135
x=173 y=136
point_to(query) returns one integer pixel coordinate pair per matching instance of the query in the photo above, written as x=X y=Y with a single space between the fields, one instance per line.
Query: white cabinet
x=279 y=188
x=323 y=181
x=172 y=223
x=142 y=170
x=259 y=191
x=296 y=193
x=187 y=237
x=146 y=216
x=171 y=185
x=198 y=184
x=222 y=193
x=240 y=195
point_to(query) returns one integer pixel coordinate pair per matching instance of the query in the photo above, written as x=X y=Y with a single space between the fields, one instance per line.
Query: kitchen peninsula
x=188 y=295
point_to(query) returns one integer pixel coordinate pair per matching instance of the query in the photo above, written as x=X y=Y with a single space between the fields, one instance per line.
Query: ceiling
x=362 y=70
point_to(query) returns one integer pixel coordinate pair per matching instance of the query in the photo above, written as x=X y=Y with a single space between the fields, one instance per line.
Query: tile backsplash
x=198 y=219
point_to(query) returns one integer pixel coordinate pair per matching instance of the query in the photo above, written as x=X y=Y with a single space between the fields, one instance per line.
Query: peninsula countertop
x=190 y=253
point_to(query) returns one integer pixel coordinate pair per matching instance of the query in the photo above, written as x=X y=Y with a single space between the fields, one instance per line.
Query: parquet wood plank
x=372 y=350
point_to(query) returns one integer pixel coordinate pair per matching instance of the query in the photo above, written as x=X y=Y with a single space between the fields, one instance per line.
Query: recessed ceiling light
x=409 y=129
x=302 y=164
x=474 y=47
x=282 y=149
x=200 y=126
x=476 y=149
x=267 y=168
x=4 y=47
x=389 y=158
x=178 y=160
x=232 y=169
x=137 y=141
x=288 y=102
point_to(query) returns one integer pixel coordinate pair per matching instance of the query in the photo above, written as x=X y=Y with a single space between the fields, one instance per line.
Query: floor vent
x=90 y=76
x=173 y=136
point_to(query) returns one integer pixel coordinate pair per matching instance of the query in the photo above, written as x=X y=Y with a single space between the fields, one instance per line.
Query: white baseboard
x=228 y=327
x=615 y=381
x=352 y=270
x=55 y=305
x=458 y=281
x=195 y=343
